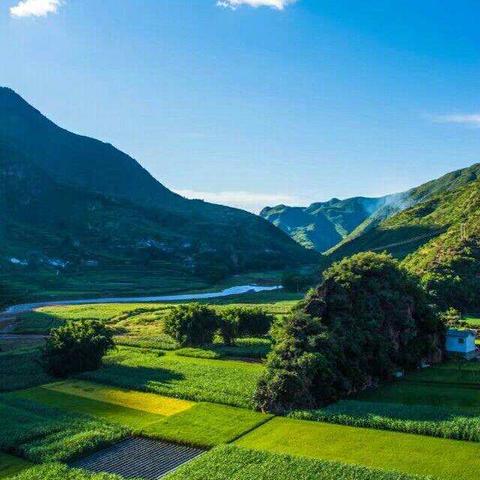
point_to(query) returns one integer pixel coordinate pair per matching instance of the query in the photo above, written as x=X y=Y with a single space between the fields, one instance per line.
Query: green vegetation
x=410 y=454
x=242 y=464
x=452 y=385
x=226 y=382
x=77 y=347
x=146 y=402
x=19 y=367
x=206 y=425
x=129 y=417
x=134 y=225
x=10 y=465
x=419 y=419
x=43 y=434
x=57 y=471
x=254 y=348
x=322 y=225
x=367 y=320
x=192 y=324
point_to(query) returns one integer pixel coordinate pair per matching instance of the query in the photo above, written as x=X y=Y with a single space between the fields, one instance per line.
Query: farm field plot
x=132 y=418
x=233 y=463
x=147 y=402
x=411 y=454
x=450 y=386
x=19 y=368
x=56 y=471
x=10 y=465
x=206 y=425
x=217 y=381
x=418 y=419
x=44 y=434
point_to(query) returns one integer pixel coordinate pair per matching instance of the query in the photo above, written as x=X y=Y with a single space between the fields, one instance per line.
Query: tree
x=368 y=319
x=453 y=318
x=77 y=346
x=250 y=321
x=228 y=329
x=192 y=324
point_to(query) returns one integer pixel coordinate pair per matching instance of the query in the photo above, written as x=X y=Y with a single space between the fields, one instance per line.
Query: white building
x=462 y=342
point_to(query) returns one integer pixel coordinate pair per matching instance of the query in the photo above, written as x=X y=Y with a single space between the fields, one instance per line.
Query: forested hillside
x=75 y=208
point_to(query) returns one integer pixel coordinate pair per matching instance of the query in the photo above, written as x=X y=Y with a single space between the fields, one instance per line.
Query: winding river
x=239 y=290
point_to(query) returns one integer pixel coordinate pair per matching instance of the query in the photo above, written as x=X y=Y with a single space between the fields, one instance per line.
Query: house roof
x=461 y=333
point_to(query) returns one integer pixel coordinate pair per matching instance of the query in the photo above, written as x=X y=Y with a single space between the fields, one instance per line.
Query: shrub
x=228 y=329
x=77 y=347
x=192 y=324
x=453 y=319
x=251 y=321
x=368 y=319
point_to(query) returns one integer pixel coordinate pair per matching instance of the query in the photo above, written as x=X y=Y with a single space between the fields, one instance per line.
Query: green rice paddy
x=410 y=454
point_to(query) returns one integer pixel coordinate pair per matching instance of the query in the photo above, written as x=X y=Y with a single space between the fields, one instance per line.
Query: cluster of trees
x=367 y=320
x=77 y=346
x=196 y=324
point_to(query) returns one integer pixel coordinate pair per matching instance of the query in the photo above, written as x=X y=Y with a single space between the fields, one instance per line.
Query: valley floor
x=202 y=398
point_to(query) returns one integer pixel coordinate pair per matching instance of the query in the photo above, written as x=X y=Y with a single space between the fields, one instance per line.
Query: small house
x=462 y=342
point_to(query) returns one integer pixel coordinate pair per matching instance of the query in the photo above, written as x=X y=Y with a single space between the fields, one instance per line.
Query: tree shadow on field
x=134 y=377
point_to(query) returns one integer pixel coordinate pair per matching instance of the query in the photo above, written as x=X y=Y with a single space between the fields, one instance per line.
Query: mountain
x=79 y=215
x=323 y=225
x=449 y=263
x=405 y=225
x=343 y=227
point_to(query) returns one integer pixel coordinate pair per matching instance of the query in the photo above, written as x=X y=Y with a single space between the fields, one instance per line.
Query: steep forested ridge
x=71 y=204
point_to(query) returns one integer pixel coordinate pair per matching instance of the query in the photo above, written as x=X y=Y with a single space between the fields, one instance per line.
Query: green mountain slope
x=323 y=225
x=449 y=264
x=404 y=226
x=78 y=215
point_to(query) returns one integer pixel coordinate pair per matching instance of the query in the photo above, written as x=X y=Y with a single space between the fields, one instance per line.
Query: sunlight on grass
x=148 y=402
x=414 y=454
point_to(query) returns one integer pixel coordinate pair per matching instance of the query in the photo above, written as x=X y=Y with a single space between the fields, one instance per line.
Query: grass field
x=129 y=417
x=61 y=472
x=44 y=434
x=10 y=465
x=146 y=402
x=206 y=425
x=218 y=381
x=419 y=419
x=19 y=368
x=234 y=463
x=411 y=454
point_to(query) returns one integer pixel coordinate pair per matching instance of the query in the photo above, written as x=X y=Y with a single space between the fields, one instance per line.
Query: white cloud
x=250 y=201
x=35 y=8
x=234 y=4
x=468 y=120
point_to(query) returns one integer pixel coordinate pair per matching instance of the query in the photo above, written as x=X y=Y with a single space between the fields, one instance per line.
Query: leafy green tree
x=453 y=318
x=228 y=329
x=77 y=346
x=191 y=324
x=250 y=321
x=368 y=319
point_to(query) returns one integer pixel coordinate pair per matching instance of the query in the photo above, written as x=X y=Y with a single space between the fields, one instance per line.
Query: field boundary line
x=250 y=430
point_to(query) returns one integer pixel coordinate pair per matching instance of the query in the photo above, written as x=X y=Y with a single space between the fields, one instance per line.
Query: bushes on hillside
x=368 y=319
x=192 y=324
x=78 y=346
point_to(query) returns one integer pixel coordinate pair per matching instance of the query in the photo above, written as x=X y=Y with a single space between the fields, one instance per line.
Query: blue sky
x=249 y=105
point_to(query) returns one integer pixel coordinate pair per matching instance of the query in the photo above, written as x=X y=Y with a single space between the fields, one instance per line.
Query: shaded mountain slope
x=70 y=205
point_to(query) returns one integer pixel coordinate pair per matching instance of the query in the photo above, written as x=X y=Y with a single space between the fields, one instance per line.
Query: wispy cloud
x=234 y=4
x=35 y=8
x=251 y=201
x=468 y=120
